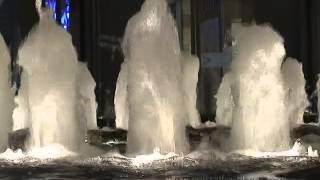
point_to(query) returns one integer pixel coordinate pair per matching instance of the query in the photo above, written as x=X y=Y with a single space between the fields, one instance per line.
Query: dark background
x=298 y=21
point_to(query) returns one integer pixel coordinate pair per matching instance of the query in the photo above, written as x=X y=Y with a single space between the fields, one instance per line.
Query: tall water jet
x=55 y=88
x=190 y=79
x=120 y=99
x=297 y=100
x=51 y=77
x=225 y=103
x=87 y=105
x=151 y=93
x=296 y=97
x=191 y=66
x=259 y=117
x=6 y=95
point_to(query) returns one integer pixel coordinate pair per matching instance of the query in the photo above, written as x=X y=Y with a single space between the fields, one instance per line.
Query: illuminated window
x=62 y=12
x=65 y=14
x=52 y=4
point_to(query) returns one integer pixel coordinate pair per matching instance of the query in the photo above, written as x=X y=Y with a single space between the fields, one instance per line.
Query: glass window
x=65 y=14
x=61 y=11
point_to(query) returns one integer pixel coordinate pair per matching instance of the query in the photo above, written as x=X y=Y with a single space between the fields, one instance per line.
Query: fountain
x=295 y=83
x=56 y=100
x=87 y=106
x=225 y=102
x=6 y=96
x=261 y=98
x=253 y=96
x=154 y=101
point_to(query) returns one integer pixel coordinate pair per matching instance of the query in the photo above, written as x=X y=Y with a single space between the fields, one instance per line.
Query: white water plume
x=56 y=100
x=156 y=88
x=297 y=100
x=261 y=98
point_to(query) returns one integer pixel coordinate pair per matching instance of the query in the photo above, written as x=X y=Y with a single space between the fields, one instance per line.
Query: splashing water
x=190 y=79
x=56 y=100
x=225 y=103
x=254 y=92
x=297 y=150
x=6 y=95
x=87 y=105
x=149 y=158
x=120 y=99
x=53 y=151
x=151 y=93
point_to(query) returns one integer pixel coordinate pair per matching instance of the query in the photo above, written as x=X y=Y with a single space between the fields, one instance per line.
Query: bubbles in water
x=151 y=98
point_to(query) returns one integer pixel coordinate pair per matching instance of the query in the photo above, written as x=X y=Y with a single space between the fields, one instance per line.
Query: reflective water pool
x=171 y=168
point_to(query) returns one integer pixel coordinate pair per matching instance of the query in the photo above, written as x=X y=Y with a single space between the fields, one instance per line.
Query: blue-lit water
x=65 y=15
x=65 y=12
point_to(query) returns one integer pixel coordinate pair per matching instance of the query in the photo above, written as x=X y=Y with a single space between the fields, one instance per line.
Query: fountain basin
x=117 y=138
x=109 y=167
x=195 y=136
x=198 y=164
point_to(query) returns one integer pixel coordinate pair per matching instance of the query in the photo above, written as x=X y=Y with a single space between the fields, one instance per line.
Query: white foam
x=149 y=158
x=9 y=154
x=297 y=150
x=52 y=151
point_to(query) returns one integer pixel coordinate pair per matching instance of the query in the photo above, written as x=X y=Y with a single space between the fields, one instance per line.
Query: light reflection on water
x=178 y=168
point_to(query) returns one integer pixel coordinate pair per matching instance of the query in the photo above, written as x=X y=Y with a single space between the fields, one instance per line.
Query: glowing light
x=65 y=15
x=65 y=12
x=52 y=4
